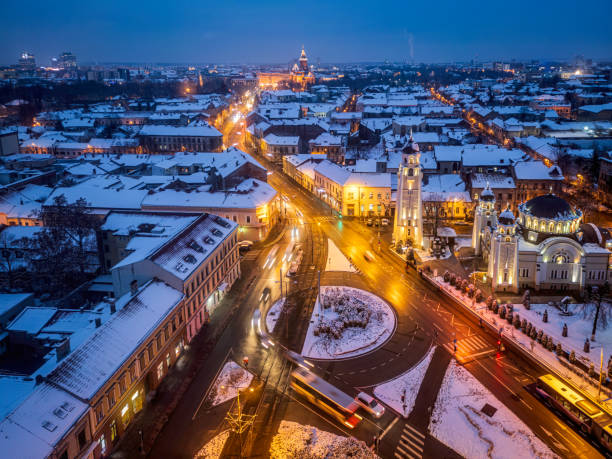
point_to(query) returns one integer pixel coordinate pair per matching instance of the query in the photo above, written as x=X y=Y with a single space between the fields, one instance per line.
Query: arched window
x=558 y=227
x=410 y=172
x=551 y=227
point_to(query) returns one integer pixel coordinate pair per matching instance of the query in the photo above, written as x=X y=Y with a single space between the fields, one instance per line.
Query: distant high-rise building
x=27 y=61
x=67 y=60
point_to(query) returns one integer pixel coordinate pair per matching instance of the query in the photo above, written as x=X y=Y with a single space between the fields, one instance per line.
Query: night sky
x=230 y=31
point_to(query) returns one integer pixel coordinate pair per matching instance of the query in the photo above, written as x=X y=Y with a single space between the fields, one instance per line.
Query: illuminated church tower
x=503 y=259
x=303 y=61
x=408 y=223
x=485 y=216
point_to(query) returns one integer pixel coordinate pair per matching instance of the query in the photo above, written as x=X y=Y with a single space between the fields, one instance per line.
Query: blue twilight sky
x=333 y=30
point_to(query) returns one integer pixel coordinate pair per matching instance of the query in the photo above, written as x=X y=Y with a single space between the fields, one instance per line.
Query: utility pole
x=319 y=290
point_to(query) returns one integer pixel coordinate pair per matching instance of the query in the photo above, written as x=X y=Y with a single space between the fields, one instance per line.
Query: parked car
x=370 y=404
x=369 y=222
x=385 y=222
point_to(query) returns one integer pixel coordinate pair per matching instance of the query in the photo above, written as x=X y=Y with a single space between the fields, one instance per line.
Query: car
x=370 y=404
x=385 y=222
x=265 y=295
x=369 y=222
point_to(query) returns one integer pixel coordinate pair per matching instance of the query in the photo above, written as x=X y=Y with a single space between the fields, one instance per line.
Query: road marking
x=498 y=380
x=414 y=431
x=389 y=427
x=401 y=447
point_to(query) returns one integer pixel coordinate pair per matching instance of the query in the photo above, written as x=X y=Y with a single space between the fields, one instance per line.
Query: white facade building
x=408 y=225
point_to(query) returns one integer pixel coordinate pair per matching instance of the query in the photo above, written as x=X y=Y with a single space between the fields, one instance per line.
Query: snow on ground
x=231 y=379
x=408 y=384
x=214 y=448
x=273 y=314
x=353 y=340
x=463 y=242
x=578 y=328
x=297 y=440
x=458 y=422
x=336 y=261
x=425 y=255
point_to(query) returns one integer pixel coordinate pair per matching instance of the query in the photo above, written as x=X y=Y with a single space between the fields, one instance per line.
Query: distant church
x=546 y=248
x=299 y=78
x=300 y=73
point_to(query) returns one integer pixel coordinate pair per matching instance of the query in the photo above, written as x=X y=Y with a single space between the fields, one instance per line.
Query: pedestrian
x=245 y=360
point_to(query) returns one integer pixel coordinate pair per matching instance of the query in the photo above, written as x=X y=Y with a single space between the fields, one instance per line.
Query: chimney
x=113 y=308
x=63 y=349
x=98 y=322
x=134 y=287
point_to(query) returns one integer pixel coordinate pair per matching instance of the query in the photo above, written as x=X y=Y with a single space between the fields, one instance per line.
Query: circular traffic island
x=347 y=322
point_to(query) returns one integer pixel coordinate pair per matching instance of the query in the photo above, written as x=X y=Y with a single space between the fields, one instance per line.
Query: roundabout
x=347 y=322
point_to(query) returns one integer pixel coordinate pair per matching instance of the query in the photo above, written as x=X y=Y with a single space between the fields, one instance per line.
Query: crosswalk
x=251 y=255
x=328 y=218
x=411 y=444
x=471 y=347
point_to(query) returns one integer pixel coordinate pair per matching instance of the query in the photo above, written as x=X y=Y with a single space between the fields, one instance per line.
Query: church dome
x=548 y=215
x=549 y=206
x=506 y=217
x=487 y=194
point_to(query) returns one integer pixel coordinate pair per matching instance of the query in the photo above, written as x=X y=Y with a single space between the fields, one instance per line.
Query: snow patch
x=214 y=448
x=297 y=440
x=231 y=379
x=407 y=384
x=336 y=261
x=457 y=421
x=371 y=322
x=273 y=314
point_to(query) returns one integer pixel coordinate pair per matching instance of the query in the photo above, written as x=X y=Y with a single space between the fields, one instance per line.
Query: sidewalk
x=428 y=392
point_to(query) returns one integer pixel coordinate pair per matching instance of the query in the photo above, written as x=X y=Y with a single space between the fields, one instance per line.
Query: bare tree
x=597 y=296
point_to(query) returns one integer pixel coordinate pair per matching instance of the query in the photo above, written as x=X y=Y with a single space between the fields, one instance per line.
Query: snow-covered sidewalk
x=230 y=380
x=407 y=384
x=297 y=440
x=353 y=323
x=459 y=422
x=553 y=329
x=336 y=261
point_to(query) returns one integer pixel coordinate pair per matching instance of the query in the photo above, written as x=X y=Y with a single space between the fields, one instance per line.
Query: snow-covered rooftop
x=90 y=365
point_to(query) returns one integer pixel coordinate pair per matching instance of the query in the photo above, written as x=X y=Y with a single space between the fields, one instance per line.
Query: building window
x=102 y=442
x=160 y=371
x=82 y=439
x=64 y=455
x=248 y=219
x=113 y=431
x=168 y=360
x=524 y=272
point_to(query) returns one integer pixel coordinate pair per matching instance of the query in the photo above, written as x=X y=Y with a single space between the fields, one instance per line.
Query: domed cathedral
x=408 y=224
x=545 y=248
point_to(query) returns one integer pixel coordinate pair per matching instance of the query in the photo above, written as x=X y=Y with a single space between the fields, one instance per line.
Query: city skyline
x=270 y=32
